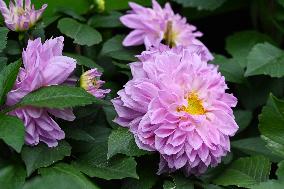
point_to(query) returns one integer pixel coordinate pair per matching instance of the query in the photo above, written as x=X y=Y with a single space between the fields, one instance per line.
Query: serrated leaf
x=122 y=141
x=240 y=44
x=245 y=172
x=7 y=79
x=271 y=125
x=3 y=37
x=230 y=68
x=255 y=146
x=106 y=21
x=71 y=172
x=265 y=59
x=43 y=156
x=59 y=97
x=12 y=131
x=81 y=33
x=243 y=119
x=201 y=4
x=84 y=61
x=12 y=176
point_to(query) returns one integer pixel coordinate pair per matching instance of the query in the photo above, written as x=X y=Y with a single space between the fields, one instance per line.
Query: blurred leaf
x=114 y=49
x=71 y=172
x=169 y=185
x=122 y=141
x=110 y=114
x=43 y=156
x=240 y=44
x=12 y=176
x=3 y=61
x=243 y=118
x=265 y=59
x=59 y=97
x=201 y=4
x=245 y=172
x=123 y=4
x=95 y=162
x=81 y=33
x=271 y=184
x=84 y=61
x=71 y=13
x=7 y=79
x=77 y=133
x=254 y=146
x=182 y=182
x=13 y=48
x=3 y=38
x=110 y=20
x=230 y=68
x=280 y=171
x=12 y=131
x=271 y=125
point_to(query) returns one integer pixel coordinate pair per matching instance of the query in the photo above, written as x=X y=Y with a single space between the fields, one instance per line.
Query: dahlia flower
x=44 y=65
x=177 y=104
x=20 y=16
x=156 y=25
x=90 y=81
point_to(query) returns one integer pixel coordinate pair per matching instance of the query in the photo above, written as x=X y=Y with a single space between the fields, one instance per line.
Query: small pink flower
x=20 y=16
x=44 y=65
x=156 y=25
x=90 y=81
x=177 y=104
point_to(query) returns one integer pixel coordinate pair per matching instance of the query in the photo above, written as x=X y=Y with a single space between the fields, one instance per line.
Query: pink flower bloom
x=44 y=65
x=152 y=26
x=177 y=104
x=20 y=16
x=90 y=81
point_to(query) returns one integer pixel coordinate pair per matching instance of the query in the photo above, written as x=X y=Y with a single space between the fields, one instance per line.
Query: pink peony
x=90 y=81
x=152 y=26
x=20 y=16
x=176 y=104
x=44 y=65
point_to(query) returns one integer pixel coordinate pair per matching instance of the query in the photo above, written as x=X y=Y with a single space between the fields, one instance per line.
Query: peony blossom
x=177 y=104
x=44 y=65
x=156 y=25
x=90 y=81
x=20 y=16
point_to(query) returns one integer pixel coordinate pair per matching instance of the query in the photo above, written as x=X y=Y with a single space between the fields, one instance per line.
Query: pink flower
x=177 y=104
x=156 y=25
x=20 y=16
x=44 y=65
x=90 y=81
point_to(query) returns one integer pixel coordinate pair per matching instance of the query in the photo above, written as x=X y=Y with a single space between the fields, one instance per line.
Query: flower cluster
x=20 y=16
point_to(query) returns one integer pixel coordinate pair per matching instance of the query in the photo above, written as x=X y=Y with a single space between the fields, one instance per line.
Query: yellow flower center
x=194 y=105
x=170 y=35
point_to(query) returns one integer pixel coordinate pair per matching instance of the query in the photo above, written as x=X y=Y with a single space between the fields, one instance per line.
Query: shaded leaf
x=12 y=176
x=106 y=21
x=84 y=61
x=3 y=37
x=201 y=4
x=243 y=118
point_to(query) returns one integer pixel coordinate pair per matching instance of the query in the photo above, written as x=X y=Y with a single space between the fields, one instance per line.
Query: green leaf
x=3 y=38
x=81 y=33
x=265 y=59
x=243 y=118
x=122 y=141
x=12 y=131
x=12 y=176
x=123 y=4
x=245 y=172
x=7 y=79
x=255 y=146
x=77 y=133
x=43 y=156
x=201 y=4
x=71 y=172
x=280 y=171
x=114 y=49
x=169 y=185
x=183 y=183
x=96 y=164
x=59 y=97
x=229 y=68
x=240 y=44
x=71 y=13
x=3 y=61
x=13 y=48
x=271 y=125
x=106 y=21
x=84 y=61
x=271 y=184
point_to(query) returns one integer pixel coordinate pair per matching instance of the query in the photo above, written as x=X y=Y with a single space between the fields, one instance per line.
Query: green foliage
x=12 y=131
x=201 y=4
x=43 y=156
x=81 y=33
x=12 y=176
x=3 y=37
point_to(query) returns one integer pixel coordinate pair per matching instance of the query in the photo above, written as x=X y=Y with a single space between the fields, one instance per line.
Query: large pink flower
x=156 y=25
x=176 y=104
x=44 y=65
x=21 y=15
